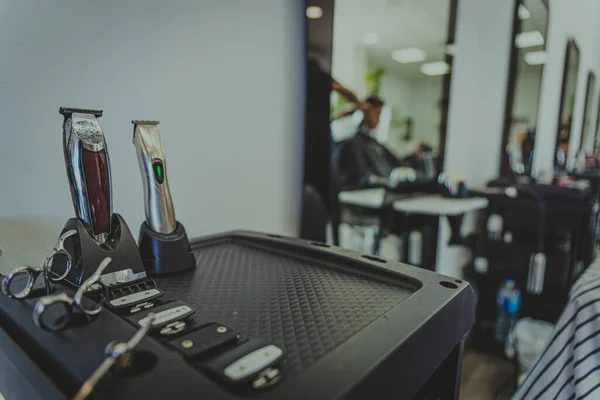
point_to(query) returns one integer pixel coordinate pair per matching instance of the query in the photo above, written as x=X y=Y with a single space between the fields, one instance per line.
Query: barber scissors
x=12 y=284
x=54 y=312
x=116 y=352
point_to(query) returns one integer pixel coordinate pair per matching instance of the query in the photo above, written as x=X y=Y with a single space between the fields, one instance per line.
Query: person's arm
x=359 y=107
x=344 y=114
x=347 y=93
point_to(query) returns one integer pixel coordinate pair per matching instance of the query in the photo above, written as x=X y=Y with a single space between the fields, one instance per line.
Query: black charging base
x=165 y=254
x=87 y=253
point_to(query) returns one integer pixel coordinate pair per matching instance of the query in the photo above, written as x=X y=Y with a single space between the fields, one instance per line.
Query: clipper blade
x=67 y=111
x=142 y=122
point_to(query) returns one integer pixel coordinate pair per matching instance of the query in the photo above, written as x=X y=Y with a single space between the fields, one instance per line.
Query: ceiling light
x=314 y=12
x=450 y=48
x=535 y=57
x=435 y=68
x=409 y=55
x=371 y=38
x=523 y=12
x=529 y=39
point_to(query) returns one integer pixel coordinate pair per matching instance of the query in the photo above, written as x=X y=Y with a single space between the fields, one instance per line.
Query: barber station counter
x=425 y=211
x=422 y=204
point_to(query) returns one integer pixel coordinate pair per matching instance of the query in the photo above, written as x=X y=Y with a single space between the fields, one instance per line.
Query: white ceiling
x=399 y=24
x=539 y=16
x=411 y=23
x=538 y=21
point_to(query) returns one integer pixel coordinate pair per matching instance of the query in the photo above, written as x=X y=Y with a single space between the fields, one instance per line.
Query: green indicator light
x=159 y=172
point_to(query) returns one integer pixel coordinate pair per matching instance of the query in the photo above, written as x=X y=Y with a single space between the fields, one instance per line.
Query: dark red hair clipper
x=88 y=170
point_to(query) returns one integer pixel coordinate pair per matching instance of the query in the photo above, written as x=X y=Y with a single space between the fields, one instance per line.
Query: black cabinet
x=569 y=231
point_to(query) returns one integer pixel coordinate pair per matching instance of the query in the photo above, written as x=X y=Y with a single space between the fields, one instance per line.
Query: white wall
x=480 y=74
x=396 y=93
x=569 y=19
x=349 y=64
x=418 y=99
x=478 y=89
x=426 y=109
x=478 y=92
x=225 y=78
x=477 y=98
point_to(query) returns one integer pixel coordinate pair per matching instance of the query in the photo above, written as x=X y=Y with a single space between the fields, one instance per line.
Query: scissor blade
x=93 y=380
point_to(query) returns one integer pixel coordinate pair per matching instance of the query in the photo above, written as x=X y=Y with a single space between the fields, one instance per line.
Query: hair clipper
x=88 y=170
x=160 y=215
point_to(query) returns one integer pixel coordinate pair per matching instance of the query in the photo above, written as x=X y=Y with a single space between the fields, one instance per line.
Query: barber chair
x=354 y=161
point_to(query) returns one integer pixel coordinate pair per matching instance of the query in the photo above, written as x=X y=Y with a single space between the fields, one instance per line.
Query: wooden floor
x=482 y=375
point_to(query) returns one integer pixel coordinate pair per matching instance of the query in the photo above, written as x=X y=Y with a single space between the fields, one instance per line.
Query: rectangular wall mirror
x=567 y=104
x=588 y=134
x=592 y=159
x=387 y=65
x=527 y=65
x=399 y=56
x=597 y=131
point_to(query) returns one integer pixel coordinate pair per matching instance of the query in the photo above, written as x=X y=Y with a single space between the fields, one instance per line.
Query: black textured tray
x=306 y=306
x=352 y=326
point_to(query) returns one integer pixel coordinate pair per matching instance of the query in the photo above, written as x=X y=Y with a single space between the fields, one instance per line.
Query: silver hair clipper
x=163 y=243
x=160 y=215
x=88 y=170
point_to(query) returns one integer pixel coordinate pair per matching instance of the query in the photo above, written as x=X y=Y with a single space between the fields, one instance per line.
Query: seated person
x=361 y=160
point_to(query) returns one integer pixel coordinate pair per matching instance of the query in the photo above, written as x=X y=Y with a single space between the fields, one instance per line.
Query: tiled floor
x=482 y=375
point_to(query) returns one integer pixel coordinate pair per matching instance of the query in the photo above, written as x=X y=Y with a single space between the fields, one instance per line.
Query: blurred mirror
x=390 y=62
x=385 y=65
x=567 y=103
x=592 y=158
x=528 y=59
x=588 y=133
x=597 y=131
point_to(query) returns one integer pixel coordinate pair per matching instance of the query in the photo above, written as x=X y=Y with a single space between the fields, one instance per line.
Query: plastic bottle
x=508 y=301
x=501 y=316
x=494 y=226
x=512 y=306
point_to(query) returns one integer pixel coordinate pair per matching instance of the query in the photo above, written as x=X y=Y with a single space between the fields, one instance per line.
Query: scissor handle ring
x=40 y=308
x=60 y=245
x=31 y=275
x=52 y=276
x=78 y=299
